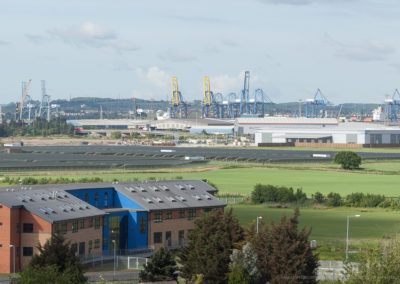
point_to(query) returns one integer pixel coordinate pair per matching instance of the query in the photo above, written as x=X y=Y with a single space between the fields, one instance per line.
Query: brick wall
x=41 y=233
x=5 y=235
x=173 y=225
x=85 y=235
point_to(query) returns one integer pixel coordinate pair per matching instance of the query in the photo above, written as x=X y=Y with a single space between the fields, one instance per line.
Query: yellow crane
x=207 y=92
x=19 y=109
x=175 y=91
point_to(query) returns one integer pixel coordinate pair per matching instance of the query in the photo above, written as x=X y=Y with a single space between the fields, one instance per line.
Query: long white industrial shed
x=349 y=133
x=247 y=125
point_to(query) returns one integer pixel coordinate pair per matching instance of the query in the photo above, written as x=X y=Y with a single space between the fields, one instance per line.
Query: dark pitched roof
x=51 y=204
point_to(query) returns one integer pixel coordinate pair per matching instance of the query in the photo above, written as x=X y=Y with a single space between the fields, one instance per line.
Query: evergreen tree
x=55 y=254
x=284 y=254
x=210 y=245
x=161 y=267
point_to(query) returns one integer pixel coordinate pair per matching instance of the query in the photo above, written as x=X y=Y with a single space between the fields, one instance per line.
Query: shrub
x=269 y=193
x=348 y=160
x=319 y=197
x=334 y=199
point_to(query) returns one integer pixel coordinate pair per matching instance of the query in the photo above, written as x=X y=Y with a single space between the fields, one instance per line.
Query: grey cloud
x=176 y=55
x=198 y=19
x=229 y=42
x=304 y=2
x=92 y=35
x=37 y=39
x=3 y=42
x=366 y=50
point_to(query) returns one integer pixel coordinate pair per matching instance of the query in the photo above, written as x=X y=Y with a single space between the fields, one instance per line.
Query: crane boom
x=207 y=92
x=24 y=96
x=175 y=91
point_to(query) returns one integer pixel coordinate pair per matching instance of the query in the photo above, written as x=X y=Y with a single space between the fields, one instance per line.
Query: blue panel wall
x=101 y=202
x=135 y=238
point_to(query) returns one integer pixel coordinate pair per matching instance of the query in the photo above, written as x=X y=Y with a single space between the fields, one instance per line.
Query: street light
x=347 y=239
x=258 y=218
x=114 y=259
x=13 y=247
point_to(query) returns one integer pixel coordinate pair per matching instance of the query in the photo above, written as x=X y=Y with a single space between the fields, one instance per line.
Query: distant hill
x=119 y=108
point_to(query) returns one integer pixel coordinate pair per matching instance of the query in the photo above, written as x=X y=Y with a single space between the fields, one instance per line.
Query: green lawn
x=329 y=225
x=242 y=180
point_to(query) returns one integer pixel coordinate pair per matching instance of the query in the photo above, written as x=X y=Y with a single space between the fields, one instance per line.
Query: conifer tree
x=210 y=245
x=55 y=255
x=161 y=267
x=284 y=254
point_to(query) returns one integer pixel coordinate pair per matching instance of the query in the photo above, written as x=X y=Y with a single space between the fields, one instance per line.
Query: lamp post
x=258 y=218
x=347 y=238
x=13 y=247
x=114 y=258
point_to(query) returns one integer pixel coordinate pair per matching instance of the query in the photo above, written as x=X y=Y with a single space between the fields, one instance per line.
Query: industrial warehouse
x=100 y=217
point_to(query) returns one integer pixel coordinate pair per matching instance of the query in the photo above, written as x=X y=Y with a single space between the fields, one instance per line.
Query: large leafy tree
x=378 y=265
x=348 y=160
x=283 y=253
x=57 y=260
x=161 y=267
x=210 y=245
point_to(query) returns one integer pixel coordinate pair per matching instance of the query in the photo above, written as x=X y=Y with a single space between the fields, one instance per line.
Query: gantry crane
x=21 y=105
x=315 y=107
x=178 y=106
x=392 y=106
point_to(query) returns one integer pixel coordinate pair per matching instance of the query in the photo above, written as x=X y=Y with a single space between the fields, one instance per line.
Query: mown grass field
x=329 y=225
x=377 y=177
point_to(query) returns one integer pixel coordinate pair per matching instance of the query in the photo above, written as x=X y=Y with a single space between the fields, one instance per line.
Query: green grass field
x=329 y=225
x=242 y=180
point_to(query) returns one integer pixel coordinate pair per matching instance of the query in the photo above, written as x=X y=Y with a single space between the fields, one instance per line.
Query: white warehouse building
x=343 y=133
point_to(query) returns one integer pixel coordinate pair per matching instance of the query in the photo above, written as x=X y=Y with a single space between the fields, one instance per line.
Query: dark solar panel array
x=148 y=156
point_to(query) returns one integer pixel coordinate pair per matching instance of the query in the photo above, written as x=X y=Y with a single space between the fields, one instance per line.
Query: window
x=1 y=223
x=158 y=237
x=96 y=199
x=1 y=245
x=17 y=251
x=27 y=251
x=168 y=215
x=74 y=226
x=158 y=217
x=105 y=199
x=1 y=206
x=104 y=222
x=181 y=236
x=142 y=225
x=90 y=222
x=74 y=248
x=86 y=197
x=57 y=228
x=97 y=223
x=207 y=210
x=192 y=213
x=182 y=213
x=64 y=227
x=27 y=228
x=17 y=227
x=90 y=244
x=82 y=224
x=96 y=243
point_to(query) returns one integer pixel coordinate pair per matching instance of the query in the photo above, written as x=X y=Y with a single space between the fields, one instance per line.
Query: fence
x=106 y=260
x=233 y=200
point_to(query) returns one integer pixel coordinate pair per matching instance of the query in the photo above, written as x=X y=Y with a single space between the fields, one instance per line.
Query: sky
x=350 y=49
